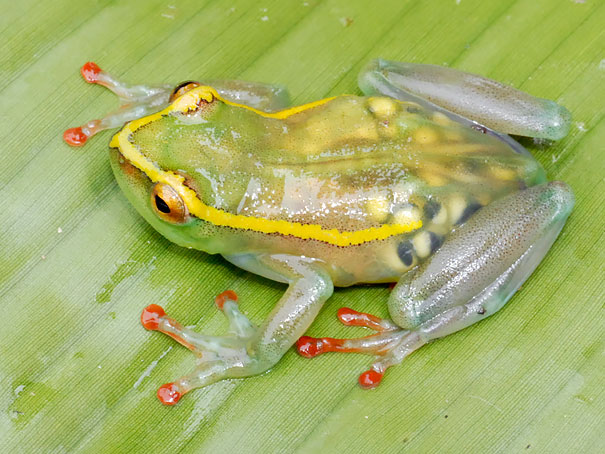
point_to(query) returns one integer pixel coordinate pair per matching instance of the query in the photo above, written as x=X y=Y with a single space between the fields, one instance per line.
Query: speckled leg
x=470 y=277
x=137 y=101
x=492 y=104
x=249 y=350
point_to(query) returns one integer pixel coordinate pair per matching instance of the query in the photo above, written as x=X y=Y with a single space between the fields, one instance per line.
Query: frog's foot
x=136 y=101
x=390 y=343
x=218 y=357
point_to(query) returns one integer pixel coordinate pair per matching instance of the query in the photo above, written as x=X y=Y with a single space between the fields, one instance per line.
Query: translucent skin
x=416 y=187
x=351 y=163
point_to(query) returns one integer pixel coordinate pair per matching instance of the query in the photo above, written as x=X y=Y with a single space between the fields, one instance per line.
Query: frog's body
x=342 y=191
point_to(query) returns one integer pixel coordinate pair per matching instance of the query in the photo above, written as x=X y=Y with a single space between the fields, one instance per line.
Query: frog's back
x=349 y=165
x=358 y=163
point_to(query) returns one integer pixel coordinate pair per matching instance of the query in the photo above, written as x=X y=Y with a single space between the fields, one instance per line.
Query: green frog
x=416 y=183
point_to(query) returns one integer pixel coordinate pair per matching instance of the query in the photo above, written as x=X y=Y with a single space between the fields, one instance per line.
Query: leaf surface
x=79 y=373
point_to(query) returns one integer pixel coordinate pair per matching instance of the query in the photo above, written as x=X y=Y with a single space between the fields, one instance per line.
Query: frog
x=416 y=183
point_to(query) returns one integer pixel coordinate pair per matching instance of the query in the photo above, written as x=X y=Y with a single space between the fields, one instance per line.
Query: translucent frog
x=416 y=183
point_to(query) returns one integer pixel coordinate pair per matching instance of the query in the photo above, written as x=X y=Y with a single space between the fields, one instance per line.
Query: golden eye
x=168 y=205
x=183 y=88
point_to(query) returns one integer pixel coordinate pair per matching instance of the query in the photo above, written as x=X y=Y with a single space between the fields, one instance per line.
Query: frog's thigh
x=495 y=105
x=483 y=263
x=309 y=286
x=265 y=97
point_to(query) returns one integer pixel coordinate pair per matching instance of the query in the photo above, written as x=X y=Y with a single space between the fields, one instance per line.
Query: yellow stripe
x=196 y=207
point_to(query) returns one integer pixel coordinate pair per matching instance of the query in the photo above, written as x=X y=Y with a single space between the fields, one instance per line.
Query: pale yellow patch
x=456 y=205
x=432 y=178
x=383 y=107
x=378 y=208
x=390 y=258
x=441 y=217
x=406 y=215
x=425 y=135
x=441 y=119
x=422 y=244
x=502 y=173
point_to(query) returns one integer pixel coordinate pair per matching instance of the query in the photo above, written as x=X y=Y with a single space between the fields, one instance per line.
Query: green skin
x=488 y=214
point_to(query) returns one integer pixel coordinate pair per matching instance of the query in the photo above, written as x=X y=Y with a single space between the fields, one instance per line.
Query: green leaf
x=79 y=373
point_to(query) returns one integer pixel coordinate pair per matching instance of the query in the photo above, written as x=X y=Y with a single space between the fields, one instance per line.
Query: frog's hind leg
x=489 y=103
x=474 y=273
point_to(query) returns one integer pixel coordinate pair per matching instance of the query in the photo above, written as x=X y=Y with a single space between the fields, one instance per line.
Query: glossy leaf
x=77 y=371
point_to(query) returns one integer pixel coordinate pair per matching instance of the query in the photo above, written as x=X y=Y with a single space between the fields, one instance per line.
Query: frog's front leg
x=249 y=350
x=492 y=104
x=469 y=278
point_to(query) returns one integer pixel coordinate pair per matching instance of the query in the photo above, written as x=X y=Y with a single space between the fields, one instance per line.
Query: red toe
x=169 y=394
x=370 y=379
x=90 y=71
x=75 y=137
x=309 y=346
x=223 y=297
x=151 y=316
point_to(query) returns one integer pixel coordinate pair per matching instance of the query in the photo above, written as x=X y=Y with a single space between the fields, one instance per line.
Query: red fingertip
x=370 y=379
x=75 y=137
x=90 y=71
x=151 y=315
x=347 y=316
x=309 y=347
x=226 y=295
x=169 y=394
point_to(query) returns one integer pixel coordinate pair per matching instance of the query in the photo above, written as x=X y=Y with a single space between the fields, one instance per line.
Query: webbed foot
x=390 y=343
x=218 y=357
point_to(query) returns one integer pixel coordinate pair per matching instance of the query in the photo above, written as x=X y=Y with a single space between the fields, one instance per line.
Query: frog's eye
x=168 y=205
x=183 y=88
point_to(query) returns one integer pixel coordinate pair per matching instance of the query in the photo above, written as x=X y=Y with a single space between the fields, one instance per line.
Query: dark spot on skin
x=431 y=208
x=528 y=446
x=481 y=129
x=481 y=310
x=161 y=205
x=405 y=251
x=445 y=416
x=468 y=212
x=436 y=241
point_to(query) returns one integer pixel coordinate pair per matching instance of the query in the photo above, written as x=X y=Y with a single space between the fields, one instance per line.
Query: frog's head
x=152 y=157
